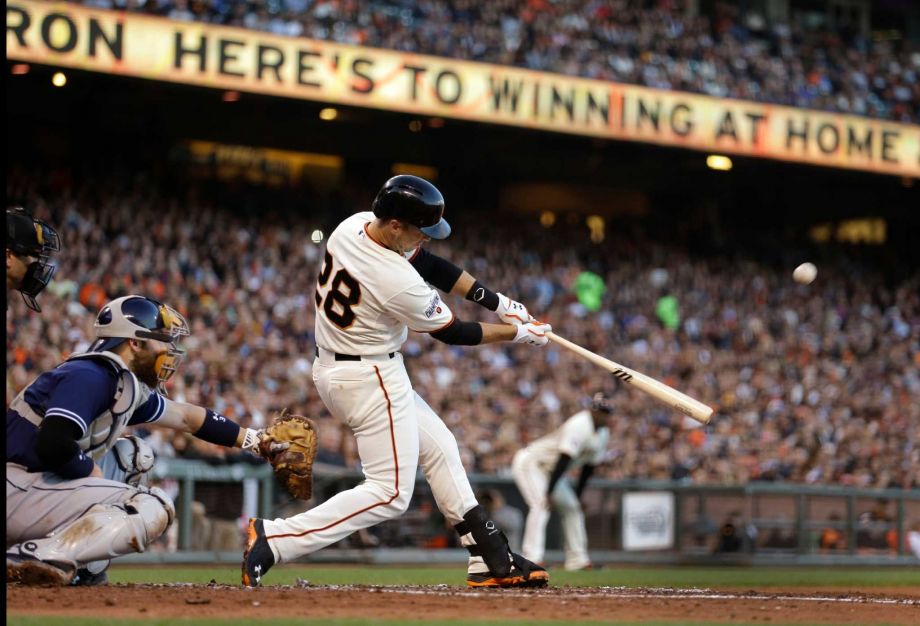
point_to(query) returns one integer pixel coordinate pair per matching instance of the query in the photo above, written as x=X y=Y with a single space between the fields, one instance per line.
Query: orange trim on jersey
x=415 y=254
x=376 y=504
x=371 y=237
x=452 y=320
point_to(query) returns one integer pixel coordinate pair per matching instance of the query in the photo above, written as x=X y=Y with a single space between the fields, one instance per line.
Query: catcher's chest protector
x=102 y=431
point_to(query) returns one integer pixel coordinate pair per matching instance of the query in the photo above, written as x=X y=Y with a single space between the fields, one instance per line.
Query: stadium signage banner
x=648 y=520
x=130 y=44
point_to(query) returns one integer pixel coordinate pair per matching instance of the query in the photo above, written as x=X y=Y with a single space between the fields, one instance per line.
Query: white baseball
x=805 y=273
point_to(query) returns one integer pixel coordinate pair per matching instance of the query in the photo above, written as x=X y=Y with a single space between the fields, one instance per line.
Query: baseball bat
x=657 y=389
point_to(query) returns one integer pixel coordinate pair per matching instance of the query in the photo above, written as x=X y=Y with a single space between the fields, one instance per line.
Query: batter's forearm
x=463 y=284
x=492 y=333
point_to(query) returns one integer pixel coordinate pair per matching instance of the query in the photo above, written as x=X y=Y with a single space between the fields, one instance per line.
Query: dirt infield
x=443 y=602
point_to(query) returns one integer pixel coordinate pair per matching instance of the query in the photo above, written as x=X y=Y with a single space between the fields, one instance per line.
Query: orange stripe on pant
x=395 y=470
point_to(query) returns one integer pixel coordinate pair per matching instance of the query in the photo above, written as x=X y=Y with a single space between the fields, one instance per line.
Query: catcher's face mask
x=30 y=237
x=168 y=361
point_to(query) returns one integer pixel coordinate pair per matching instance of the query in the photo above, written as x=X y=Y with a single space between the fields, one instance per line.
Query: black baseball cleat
x=524 y=574
x=258 y=557
x=27 y=570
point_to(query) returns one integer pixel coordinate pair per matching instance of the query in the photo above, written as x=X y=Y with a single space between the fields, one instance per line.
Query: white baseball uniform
x=532 y=467
x=368 y=296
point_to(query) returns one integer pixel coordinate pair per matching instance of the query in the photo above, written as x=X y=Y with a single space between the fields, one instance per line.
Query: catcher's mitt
x=289 y=443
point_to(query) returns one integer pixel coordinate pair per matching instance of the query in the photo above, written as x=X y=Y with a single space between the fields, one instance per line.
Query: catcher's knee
x=154 y=510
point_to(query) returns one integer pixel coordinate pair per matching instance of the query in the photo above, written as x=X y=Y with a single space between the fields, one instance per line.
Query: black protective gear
x=30 y=237
x=491 y=543
x=415 y=201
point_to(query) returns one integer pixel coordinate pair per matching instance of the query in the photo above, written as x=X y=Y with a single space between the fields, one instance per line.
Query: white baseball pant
x=396 y=432
x=532 y=481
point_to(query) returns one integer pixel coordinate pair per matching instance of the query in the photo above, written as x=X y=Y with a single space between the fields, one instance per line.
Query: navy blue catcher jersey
x=79 y=391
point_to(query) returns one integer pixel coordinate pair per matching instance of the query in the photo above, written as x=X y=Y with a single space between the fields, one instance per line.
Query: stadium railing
x=773 y=523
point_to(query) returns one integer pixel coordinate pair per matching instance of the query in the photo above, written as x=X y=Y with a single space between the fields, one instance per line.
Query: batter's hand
x=512 y=312
x=533 y=333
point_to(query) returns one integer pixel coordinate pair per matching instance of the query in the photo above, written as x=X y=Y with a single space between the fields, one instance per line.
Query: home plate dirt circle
x=408 y=603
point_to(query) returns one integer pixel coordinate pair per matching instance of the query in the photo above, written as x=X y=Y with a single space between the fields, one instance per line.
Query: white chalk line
x=659 y=593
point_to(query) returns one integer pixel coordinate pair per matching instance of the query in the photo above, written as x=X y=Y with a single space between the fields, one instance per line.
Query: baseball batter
x=539 y=470
x=74 y=498
x=30 y=243
x=372 y=288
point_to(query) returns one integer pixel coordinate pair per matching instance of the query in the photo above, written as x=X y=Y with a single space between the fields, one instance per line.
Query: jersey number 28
x=342 y=315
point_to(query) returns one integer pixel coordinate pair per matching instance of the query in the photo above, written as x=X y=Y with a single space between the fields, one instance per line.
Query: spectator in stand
x=826 y=376
x=831 y=538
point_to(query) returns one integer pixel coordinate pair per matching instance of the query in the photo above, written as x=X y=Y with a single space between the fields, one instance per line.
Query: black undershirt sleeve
x=586 y=471
x=57 y=448
x=561 y=465
x=436 y=271
x=460 y=333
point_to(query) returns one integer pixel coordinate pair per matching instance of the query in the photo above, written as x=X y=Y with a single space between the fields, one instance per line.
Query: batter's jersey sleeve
x=420 y=308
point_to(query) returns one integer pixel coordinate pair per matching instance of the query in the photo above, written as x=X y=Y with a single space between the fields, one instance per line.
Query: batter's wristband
x=218 y=429
x=481 y=295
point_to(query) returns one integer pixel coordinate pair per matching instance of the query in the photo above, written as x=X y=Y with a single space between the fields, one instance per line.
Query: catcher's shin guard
x=103 y=532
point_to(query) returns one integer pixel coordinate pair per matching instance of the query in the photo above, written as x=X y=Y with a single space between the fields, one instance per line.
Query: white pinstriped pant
x=396 y=432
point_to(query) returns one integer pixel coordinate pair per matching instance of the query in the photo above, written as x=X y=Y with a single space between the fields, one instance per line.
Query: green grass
x=717 y=577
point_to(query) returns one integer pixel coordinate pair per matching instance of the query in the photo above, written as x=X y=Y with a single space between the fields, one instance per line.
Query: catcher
x=75 y=496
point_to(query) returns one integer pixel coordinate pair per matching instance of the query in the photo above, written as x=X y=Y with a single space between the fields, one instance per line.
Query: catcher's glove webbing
x=289 y=444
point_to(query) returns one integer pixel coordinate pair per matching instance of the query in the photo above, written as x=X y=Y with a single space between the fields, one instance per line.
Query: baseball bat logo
x=622 y=375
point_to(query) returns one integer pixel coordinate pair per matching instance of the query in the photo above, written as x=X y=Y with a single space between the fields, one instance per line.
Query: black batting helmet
x=413 y=200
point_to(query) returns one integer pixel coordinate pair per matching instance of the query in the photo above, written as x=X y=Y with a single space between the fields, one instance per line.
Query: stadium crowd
x=813 y=384
x=727 y=53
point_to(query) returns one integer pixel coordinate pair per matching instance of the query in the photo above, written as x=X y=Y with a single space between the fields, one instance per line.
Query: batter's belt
x=327 y=357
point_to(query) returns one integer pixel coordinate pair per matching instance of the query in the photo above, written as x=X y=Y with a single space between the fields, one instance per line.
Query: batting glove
x=512 y=312
x=533 y=333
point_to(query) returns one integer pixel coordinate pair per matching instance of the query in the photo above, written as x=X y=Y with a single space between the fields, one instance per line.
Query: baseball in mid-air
x=805 y=273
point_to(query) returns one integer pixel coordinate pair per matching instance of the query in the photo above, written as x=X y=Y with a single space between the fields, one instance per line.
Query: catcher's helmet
x=139 y=317
x=413 y=200
x=30 y=237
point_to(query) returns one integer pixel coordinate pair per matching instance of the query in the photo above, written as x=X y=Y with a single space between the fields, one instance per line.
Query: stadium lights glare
x=59 y=79
x=415 y=126
x=719 y=162
x=328 y=114
x=20 y=68
x=231 y=96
